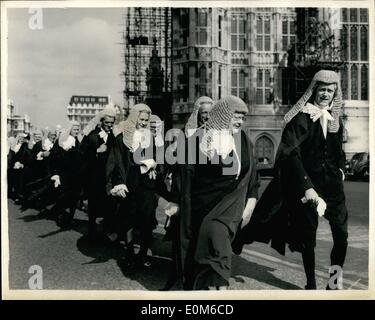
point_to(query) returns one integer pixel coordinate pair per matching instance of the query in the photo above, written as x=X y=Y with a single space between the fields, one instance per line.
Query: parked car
x=359 y=166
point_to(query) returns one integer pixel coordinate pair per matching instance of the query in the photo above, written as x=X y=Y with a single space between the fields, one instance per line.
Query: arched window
x=364 y=83
x=264 y=150
x=203 y=81
x=354 y=84
x=203 y=75
x=364 y=44
x=353 y=43
x=344 y=82
x=344 y=42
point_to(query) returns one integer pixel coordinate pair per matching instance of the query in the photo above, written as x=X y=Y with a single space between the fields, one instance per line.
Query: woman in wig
x=217 y=193
x=308 y=183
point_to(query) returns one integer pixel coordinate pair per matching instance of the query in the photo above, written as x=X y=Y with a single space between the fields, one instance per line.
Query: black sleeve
x=117 y=164
x=254 y=183
x=56 y=156
x=289 y=153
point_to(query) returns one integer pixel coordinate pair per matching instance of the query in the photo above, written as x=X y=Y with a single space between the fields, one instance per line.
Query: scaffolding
x=145 y=30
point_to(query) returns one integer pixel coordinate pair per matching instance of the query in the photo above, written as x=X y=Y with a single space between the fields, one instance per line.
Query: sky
x=77 y=52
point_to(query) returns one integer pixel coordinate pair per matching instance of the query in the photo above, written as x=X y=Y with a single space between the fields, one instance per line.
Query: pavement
x=69 y=262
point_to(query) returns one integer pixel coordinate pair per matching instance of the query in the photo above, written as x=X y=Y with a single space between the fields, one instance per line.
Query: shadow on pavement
x=101 y=250
x=261 y=273
x=42 y=215
x=77 y=225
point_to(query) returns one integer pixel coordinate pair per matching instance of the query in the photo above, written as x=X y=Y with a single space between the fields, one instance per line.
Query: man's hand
x=247 y=213
x=46 y=153
x=120 y=190
x=56 y=179
x=18 y=165
x=310 y=195
x=171 y=209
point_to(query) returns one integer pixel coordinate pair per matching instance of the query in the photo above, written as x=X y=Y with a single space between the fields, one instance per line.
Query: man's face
x=107 y=123
x=237 y=121
x=52 y=136
x=324 y=94
x=143 y=119
x=37 y=137
x=75 y=130
x=21 y=139
x=204 y=113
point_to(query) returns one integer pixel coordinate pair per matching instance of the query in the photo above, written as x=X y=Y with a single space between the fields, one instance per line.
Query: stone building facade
x=245 y=51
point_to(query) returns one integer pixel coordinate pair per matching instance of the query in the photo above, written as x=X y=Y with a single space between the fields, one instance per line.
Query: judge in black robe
x=19 y=168
x=309 y=164
x=95 y=148
x=66 y=170
x=131 y=177
x=214 y=195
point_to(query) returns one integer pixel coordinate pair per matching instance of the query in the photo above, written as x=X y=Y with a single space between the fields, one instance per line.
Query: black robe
x=67 y=164
x=94 y=181
x=19 y=177
x=137 y=210
x=211 y=208
x=305 y=159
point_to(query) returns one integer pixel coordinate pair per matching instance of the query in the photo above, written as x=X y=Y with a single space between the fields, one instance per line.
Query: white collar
x=104 y=135
x=69 y=143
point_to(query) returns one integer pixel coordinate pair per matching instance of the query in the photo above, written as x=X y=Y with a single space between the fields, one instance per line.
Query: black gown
x=137 y=211
x=67 y=164
x=211 y=208
x=305 y=159
x=94 y=182
x=17 y=178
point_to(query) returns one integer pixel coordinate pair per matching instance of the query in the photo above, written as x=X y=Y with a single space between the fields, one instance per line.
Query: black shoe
x=237 y=245
x=310 y=287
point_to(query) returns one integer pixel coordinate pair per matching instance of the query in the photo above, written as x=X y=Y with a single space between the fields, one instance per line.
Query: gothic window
x=364 y=82
x=344 y=14
x=354 y=39
x=238 y=84
x=363 y=13
x=344 y=82
x=263 y=90
x=353 y=15
x=344 y=42
x=238 y=33
x=354 y=80
x=201 y=26
x=353 y=43
x=203 y=81
x=288 y=34
x=264 y=150
x=263 y=39
x=364 y=44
